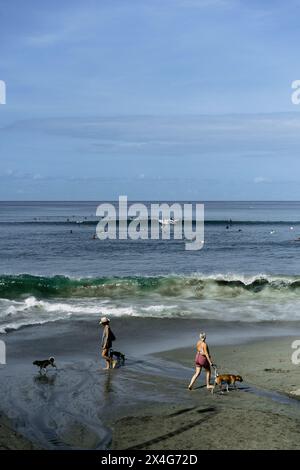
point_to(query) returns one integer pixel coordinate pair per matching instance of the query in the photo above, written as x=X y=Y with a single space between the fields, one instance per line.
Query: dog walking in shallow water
x=119 y=357
x=44 y=364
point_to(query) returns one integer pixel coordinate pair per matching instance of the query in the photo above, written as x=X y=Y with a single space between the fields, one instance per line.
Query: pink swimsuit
x=201 y=361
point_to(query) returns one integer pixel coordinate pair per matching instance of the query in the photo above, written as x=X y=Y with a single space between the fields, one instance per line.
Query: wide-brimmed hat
x=104 y=320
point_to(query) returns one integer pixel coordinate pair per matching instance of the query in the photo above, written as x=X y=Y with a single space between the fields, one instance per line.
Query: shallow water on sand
x=71 y=407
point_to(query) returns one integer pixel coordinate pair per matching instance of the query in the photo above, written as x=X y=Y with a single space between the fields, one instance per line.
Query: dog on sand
x=228 y=379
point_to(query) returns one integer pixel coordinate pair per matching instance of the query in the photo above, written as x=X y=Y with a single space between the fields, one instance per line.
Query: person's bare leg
x=195 y=377
x=208 y=375
x=106 y=358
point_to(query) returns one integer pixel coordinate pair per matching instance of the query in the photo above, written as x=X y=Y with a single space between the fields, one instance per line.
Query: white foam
x=158 y=308
x=264 y=306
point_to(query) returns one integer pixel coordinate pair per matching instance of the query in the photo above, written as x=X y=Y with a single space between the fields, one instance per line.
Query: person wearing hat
x=107 y=338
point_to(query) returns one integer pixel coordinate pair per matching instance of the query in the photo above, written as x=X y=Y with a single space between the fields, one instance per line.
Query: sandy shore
x=146 y=404
x=254 y=417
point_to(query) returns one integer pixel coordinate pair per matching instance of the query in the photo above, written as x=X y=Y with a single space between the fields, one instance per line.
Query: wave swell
x=194 y=286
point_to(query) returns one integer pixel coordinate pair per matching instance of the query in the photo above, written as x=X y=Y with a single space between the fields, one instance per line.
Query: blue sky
x=173 y=99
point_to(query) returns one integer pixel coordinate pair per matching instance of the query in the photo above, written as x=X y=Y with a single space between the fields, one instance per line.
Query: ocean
x=52 y=269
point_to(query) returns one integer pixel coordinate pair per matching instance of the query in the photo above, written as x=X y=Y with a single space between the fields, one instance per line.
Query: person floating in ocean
x=203 y=359
x=107 y=338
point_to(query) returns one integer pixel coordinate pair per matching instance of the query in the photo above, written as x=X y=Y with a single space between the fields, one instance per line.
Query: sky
x=164 y=100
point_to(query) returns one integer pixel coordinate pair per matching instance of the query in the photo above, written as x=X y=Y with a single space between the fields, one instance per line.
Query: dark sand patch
x=11 y=440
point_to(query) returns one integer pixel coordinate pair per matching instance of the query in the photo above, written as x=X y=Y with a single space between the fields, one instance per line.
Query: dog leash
x=215 y=370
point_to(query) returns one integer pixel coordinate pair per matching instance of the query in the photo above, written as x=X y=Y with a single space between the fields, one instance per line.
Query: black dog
x=44 y=364
x=118 y=355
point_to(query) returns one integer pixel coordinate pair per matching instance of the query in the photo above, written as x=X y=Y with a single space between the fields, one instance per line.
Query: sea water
x=52 y=268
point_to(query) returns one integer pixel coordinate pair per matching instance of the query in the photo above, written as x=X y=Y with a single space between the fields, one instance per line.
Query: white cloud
x=261 y=179
x=47 y=39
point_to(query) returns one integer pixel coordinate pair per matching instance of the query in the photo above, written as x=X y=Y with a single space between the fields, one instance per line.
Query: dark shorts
x=201 y=361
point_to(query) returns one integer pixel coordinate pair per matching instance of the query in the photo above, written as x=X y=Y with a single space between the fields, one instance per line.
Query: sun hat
x=104 y=320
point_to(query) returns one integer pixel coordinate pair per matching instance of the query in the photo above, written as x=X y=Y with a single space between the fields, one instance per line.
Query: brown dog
x=228 y=379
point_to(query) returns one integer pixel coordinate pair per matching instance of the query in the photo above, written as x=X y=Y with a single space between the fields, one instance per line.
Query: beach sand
x=260 y=415
x=146 y=404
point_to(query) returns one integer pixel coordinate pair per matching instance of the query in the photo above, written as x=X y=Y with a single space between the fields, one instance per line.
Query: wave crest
x=194 y=286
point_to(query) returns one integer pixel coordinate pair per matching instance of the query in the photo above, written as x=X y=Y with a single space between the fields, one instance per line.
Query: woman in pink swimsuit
x=202 y=359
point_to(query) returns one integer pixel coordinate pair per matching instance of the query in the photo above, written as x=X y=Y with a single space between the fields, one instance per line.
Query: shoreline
x=146 y=404
x=231 y=357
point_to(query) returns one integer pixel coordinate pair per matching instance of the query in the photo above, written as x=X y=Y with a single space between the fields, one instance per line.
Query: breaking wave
x=27 y=300
x=194 y=286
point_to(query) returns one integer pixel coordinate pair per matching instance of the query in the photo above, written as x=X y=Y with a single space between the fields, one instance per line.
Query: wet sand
x=146 y=404
x=259 y=415
x=10 y=439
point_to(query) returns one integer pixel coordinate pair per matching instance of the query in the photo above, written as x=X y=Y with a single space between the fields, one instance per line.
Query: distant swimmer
x=71 y=231
x=94 y=236
x=272 y=231
x=239 y=230
x=227 y=227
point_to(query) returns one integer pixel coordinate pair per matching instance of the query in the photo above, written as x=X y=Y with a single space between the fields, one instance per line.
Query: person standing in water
x=107 y=338
x=203 y=359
